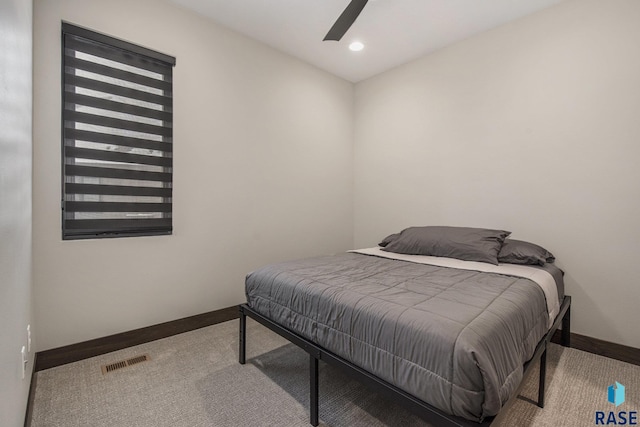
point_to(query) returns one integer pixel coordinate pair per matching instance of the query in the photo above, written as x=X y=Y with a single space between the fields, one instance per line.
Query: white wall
x=15 y=206
x=532 y=127
x=262 y=172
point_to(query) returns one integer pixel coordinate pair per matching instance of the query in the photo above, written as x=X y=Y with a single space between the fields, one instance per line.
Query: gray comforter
x=455 y=339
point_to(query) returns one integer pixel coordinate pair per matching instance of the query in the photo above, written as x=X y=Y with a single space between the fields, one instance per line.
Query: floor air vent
x=124 y=363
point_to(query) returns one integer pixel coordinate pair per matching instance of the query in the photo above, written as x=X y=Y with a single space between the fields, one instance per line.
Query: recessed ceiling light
x=356 y=46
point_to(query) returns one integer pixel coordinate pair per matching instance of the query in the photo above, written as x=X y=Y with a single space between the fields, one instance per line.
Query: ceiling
x=393 y=31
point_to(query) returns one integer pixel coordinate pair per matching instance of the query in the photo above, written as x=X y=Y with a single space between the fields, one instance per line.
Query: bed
x=451 y=337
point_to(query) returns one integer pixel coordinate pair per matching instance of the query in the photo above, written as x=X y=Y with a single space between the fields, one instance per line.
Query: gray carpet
x=194 y=379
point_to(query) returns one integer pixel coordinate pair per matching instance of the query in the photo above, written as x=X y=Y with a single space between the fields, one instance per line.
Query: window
x=116 y=137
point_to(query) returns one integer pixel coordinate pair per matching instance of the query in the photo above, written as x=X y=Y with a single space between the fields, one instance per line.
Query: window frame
x=138 y=219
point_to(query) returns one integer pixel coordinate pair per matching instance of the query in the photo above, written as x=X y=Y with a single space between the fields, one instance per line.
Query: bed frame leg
x=313 y=390
x=242 y=351
x=565 y=337
x=543 y=377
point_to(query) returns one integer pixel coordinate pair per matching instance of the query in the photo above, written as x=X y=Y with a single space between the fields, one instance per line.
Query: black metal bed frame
x=417 y=406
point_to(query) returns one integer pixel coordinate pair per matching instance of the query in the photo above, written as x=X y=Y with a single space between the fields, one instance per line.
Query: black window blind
x=117 y=137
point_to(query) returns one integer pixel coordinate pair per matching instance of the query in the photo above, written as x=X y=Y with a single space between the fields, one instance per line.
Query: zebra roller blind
x=116 y=137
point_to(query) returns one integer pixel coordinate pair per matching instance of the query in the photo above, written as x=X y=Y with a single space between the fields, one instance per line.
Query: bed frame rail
x=417 y=406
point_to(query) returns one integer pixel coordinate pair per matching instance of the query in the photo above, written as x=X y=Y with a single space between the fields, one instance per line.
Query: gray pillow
x=390 y=238
x=520 y=252
x=469 y=244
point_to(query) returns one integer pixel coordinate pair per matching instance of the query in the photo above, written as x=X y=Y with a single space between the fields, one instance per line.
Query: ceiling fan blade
x=345 y=20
